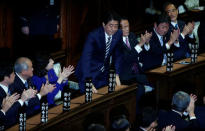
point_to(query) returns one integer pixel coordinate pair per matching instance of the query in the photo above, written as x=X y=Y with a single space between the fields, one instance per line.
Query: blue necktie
x=161 y=40
x=9 y=92
x=176 y=26
x=26 y=85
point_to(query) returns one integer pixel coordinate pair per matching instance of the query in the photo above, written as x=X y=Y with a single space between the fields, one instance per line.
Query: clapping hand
x=67 y=71
x=9 y=101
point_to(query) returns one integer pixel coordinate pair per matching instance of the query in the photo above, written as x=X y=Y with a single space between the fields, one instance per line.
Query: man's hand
x=94 y=90
x=9 y=101
x=173 y=37
x=28 y=94
x=190 y=108
x=188 y=28
x=169 y=128
x=67 y=71
x=46 y=88
x=117 y=78
x=145 y=38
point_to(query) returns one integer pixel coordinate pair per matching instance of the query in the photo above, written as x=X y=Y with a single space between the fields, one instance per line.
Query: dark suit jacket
x=93 y=58
x=12 y=113
x=181 y=52
x=173 y=118
x=18 y=86
x=129 y=59
x=154 y=56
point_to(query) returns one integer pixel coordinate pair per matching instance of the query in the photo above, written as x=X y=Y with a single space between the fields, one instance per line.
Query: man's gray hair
x=20 y=64
x=180 y=101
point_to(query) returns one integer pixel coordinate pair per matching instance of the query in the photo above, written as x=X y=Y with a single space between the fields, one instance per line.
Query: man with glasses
x=185 y=36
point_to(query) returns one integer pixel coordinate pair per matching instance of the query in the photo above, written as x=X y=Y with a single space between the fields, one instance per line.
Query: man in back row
x=186 y=36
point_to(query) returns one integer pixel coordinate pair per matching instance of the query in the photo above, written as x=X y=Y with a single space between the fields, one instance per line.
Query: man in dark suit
x=6 y=78
x=181 y=102
x=7 y=103
x=154 y=53
x=24 y=70
x=101 y=44
x=130 y=48
x=186 y=36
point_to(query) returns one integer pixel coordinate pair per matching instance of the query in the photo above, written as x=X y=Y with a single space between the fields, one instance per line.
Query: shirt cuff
x=191 y=36
x=21 y=102
x=182 y=36
x=167 y=46
x=192 y=118
x=3 y=112
x=176 y=44
x=138 y=48
x=147 y=47
x=39 y=96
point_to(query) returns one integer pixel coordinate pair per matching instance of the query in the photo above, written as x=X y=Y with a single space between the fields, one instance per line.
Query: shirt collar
x=159 y=36
x=106 y=37
x=177 y=112
x=5 y=88
x=173 y=23
x=24 y=81
x=143 y=128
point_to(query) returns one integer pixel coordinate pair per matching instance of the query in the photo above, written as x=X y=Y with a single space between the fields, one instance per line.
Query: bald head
x=23 y=66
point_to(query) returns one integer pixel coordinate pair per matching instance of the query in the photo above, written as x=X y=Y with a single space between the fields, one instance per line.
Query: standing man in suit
x=24 y=71
x=130 y=48
x=181 y=102
x=154 y=53
x=186 y=36
x=100 y=46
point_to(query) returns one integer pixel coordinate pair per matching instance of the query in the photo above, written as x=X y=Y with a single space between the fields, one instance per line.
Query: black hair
x=168 y=3
x=120 y=124
x=162 y=19
x=96 y=127
x=149 y=115
x=40 y=62
x=109 y=16
x=6 y=68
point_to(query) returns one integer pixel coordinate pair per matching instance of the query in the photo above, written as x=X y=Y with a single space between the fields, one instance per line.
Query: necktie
x=108 y=43
x=161 y=40
x=9 y=92
x=26 y=85
x=127 y=43
x=176 y=26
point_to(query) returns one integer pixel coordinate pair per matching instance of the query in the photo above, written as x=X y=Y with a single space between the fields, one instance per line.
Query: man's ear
x=155 y=25
x=103 y=24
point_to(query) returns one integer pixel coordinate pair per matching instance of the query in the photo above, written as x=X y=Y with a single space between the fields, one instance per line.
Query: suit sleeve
x=87 y=56
x=118 y=53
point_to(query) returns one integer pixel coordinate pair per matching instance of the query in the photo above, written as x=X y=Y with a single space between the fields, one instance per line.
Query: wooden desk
x=80 y=112
x=167 y=83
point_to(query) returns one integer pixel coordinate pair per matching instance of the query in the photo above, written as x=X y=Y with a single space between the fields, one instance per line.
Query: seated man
x=181 y=102
x=148 y=120
x=6 y=78
x=23 y=72
x=154 y=53
x=186 y=36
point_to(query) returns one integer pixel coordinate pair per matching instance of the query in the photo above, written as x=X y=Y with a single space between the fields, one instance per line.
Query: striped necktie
x=108 y=43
